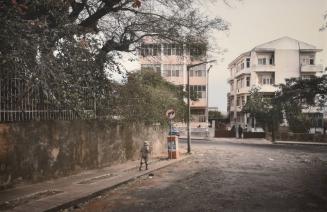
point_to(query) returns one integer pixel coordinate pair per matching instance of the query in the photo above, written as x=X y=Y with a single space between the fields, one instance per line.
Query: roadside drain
x=25 y=199
x=95 y=179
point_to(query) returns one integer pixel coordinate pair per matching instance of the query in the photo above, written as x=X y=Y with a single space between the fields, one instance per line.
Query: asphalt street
x=228 y=175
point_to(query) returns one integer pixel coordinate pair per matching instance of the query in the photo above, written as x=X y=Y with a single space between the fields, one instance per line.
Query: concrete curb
x=300 y=143
x=123 y=180
x=195 y=138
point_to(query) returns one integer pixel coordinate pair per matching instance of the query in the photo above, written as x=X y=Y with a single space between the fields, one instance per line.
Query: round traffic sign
x=170 y=114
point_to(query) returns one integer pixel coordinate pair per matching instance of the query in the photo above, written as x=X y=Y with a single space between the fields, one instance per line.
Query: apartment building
x=170 y=60
x=266 y=66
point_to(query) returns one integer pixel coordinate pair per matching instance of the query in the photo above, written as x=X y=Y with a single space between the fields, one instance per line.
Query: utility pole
x=188 y=101
x=207 y=110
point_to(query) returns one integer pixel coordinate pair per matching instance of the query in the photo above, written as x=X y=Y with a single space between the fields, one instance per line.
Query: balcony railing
x=243 y=71
x=311 y=68
x=198 y=118
x=263 y=68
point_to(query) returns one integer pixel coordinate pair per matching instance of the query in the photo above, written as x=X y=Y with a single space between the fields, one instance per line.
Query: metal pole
x=188 y=67
x=188 y=111
x=207 y=87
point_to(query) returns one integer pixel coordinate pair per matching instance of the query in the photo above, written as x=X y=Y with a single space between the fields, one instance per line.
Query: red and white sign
x=170 y=114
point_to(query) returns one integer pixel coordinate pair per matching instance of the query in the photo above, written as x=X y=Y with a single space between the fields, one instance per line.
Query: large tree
x=266 y=110
x=298 y=94
x=291 y=99
x=63 y=47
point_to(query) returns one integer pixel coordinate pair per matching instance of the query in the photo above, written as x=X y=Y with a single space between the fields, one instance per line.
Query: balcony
x=198 y=118
x=244 y=71
x=311 y=68
x=268 y=88
x=243 y=90
x=263 y=68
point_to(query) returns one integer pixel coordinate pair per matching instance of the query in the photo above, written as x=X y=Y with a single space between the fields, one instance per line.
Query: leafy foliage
x=215 y=115
x=63 y=47
x=146 y=97
x=266 y=110
x=292 y=97
x=298 y=94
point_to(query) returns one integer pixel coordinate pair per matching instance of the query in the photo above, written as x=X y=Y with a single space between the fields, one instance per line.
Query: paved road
x=228 y=175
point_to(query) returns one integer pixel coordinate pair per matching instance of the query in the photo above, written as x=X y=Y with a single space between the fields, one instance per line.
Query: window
x=200 y=90
x=167 y=49
x=247 y=81
x=238 y=85
x=172 y=70
x=271 y=60
x=262 y=61
x=232 y=101
x=266 y=79
x=248 y=62
x=179 y=49
x=198 y=71
x=243 y=100
x=242 y=66
x=173 y=49
x=238 y=101
x=150 y=50
x=312 y=62
x=307 y=60
x=307 y=77
x=232 y=86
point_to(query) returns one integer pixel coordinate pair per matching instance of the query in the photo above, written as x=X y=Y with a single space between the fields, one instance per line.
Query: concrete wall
x=36 y=151
x=287 y=65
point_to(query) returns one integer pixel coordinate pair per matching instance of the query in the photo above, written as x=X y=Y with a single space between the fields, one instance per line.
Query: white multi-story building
x=266 y=66
x=170 y=60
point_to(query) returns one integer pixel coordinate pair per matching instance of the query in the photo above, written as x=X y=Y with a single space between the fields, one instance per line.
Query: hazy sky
x=254 y=22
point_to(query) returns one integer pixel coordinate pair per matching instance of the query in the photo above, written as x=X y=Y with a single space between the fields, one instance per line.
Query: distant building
x=170 y=61
x=266 y=66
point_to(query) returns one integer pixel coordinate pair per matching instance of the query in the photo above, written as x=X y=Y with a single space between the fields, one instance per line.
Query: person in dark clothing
x=240 y=132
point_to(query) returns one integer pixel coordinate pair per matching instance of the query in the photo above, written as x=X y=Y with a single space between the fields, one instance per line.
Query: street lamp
x=188 y=67
x=207 y=111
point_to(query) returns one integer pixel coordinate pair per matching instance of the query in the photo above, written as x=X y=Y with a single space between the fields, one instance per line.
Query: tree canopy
x=63 y=47
x=291 y=98
x=146 y=97
x=298 y=94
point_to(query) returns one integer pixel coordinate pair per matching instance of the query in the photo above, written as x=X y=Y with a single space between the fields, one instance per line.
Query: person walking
x=144 y=154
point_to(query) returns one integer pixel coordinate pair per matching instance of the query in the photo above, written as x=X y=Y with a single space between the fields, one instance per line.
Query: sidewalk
x=67 y=191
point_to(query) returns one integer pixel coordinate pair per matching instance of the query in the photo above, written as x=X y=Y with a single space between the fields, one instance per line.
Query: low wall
x=36 y=151
x=221 y=133
x=304 y=137
x=254 y=134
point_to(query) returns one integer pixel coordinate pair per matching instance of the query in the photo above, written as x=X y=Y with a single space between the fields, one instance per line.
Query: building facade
x=264 y=67
x=170 y=60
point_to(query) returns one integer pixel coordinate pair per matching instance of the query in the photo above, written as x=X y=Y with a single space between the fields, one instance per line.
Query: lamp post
x=188 y=67
x=207 y=111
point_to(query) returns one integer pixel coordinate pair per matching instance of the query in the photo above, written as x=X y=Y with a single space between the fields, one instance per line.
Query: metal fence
x=21 y=102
